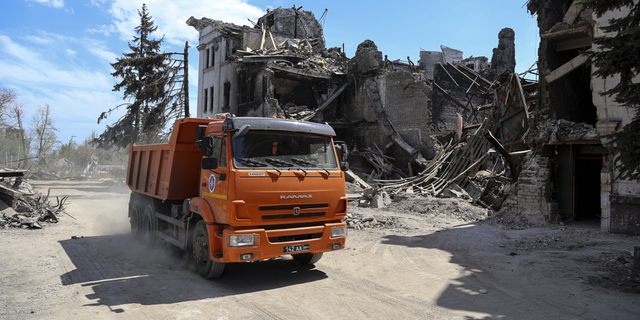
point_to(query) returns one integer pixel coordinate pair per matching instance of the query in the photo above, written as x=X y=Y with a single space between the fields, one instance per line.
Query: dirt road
x=415 y=266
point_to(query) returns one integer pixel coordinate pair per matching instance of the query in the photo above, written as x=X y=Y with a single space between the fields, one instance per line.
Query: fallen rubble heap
x=24 y=207
x=474 y=165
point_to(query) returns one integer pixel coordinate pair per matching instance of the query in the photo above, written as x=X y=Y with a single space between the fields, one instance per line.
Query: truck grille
x=292 y=225
x=291 y=215
x=295 y=237
x=291 y=206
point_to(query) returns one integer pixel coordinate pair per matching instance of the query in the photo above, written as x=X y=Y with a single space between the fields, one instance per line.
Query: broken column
x=367 y=58
x=428 y=61
x=504 y=56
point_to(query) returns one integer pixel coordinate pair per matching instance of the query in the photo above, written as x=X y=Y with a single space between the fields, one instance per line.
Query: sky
x=58 y=52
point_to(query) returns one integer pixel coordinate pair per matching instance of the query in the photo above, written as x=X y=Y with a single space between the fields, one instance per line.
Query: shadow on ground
x=493 y=280
x=121 y=270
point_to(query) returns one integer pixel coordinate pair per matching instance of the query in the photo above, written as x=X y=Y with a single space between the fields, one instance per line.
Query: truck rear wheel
x=206 y=267
x=134 y=219
x=148 y=224
x=307 y=258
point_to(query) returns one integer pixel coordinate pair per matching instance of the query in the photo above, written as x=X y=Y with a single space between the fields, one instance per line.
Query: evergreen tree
x=148 y=79
x=620 y=55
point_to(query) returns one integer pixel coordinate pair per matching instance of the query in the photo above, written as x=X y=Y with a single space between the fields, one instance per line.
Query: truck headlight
x=337 y=232
x=243 y=240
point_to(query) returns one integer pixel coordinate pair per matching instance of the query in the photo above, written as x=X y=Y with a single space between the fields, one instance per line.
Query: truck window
x=216 y=149
x=283 y=149
x=222 y=162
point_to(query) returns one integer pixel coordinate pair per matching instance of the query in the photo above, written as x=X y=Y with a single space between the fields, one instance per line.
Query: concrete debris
x=367 y=221
x=557 y=131
x=23 y=207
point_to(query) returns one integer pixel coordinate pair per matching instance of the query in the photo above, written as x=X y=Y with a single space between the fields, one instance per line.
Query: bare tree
x=44 y=132
x=7 y=98
x=16 y=113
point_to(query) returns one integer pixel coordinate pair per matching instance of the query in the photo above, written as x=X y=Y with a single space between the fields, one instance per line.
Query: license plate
x=295 y=248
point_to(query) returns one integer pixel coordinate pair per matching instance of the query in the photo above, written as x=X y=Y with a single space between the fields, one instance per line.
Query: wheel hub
x=200 y=249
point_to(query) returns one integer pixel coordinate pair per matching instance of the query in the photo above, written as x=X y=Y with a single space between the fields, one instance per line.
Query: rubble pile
x=558 y=130
x=431 y=206
x=474 y=165
x=23 y=207
x=367 y=221
x=509 y=219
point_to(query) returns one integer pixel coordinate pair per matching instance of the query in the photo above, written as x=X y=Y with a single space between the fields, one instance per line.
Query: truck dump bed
x=168 y=171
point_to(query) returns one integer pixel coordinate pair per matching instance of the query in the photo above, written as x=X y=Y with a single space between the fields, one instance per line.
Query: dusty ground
x=417 y=259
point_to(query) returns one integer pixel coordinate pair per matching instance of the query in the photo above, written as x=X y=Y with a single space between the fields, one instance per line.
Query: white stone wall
x=610 y=112
x=216 y=75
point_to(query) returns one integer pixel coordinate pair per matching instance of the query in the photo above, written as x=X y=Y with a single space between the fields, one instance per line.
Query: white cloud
x=98 y=3
x=47 y=38
x=70 y=52
x=75 y=112
x=171 y=16
x=102 y=53
x=50 y=3
x=103 y=29
x=26 y=66
x=14 y=50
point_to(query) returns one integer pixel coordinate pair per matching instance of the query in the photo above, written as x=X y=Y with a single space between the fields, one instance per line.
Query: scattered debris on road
x=24 y=207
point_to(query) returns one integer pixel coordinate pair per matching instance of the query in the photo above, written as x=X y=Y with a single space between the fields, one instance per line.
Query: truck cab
x=266 y=187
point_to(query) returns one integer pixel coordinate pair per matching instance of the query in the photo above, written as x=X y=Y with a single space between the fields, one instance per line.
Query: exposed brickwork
x=534 y=192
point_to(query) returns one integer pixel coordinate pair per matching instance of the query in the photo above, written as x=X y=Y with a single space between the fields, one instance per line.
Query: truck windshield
x=283 y=149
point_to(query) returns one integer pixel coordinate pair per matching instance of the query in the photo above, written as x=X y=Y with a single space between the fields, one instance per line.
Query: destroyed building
x=445 y=125
x=280 y=64
x=280 y=67
x=571 y=119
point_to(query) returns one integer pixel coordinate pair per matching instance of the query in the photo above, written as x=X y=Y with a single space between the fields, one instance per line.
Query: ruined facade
x=256 y=71
x=284 y=69
x=571 y=119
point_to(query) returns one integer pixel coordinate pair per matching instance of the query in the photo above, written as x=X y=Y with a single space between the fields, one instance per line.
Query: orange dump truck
x=240 y=189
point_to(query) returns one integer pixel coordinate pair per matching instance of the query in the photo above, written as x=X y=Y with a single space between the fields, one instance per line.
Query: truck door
x=215 y=182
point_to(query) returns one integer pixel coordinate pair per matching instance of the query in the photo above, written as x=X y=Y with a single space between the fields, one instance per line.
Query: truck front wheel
x=307 y=258
x=206 y=267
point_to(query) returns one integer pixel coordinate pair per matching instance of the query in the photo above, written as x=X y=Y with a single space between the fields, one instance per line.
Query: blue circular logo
x=212 y=182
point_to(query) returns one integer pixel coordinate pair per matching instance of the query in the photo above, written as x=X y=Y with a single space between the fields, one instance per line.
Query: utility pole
x=185 y=83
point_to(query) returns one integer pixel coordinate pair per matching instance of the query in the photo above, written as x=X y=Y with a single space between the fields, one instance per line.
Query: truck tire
x=148 y=225
x=206 y=267
x=134 y=219
x=307 y=258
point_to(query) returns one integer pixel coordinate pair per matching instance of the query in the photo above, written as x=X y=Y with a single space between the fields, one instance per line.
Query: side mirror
x=209 y=163
x=341 y=150
x=207 y=146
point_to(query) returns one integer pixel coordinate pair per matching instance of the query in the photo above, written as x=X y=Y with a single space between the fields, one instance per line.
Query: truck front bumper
x=269 y=244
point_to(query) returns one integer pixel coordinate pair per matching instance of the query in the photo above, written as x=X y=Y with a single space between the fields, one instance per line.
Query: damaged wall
x=294 y=23
x=403 y=102
x=571 y=103
x=533 y=198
